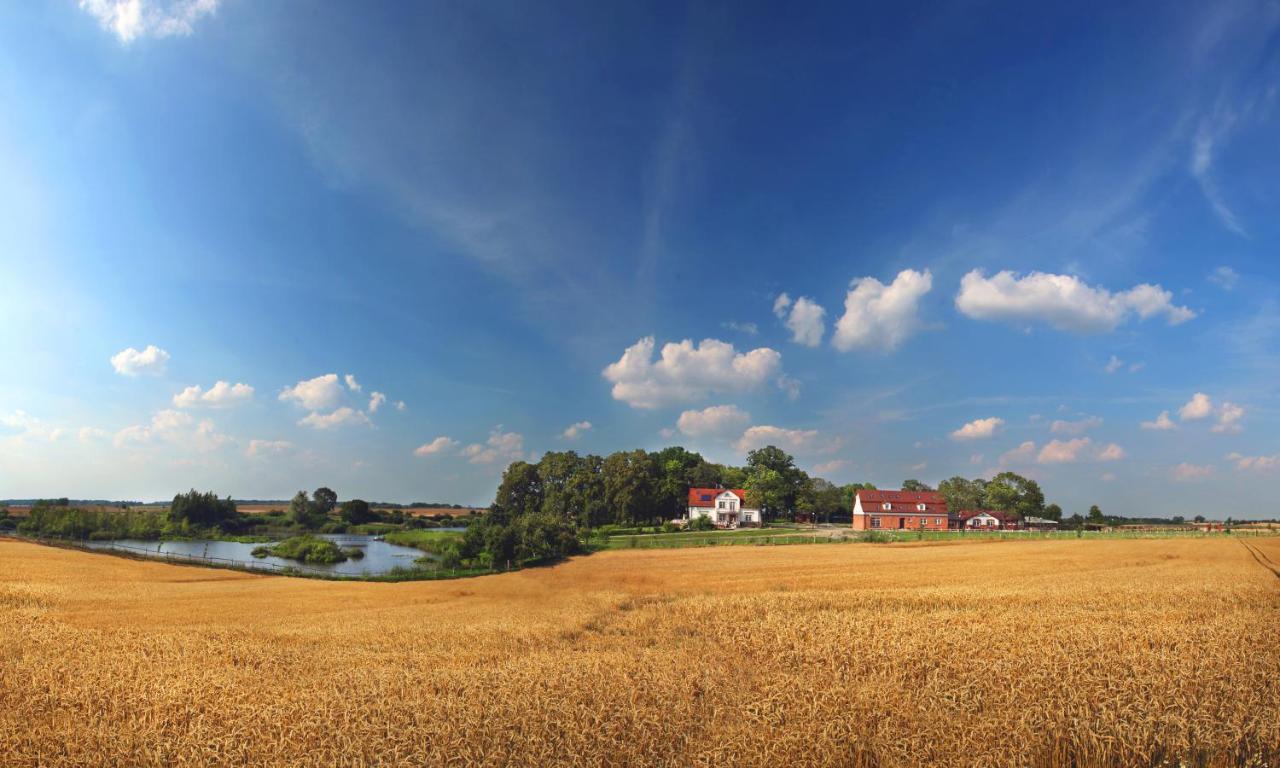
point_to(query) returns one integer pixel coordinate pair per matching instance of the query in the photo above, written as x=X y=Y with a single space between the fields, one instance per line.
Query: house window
x=921 y=507
x=721 y=505
x=875 y=522
x=886 y=506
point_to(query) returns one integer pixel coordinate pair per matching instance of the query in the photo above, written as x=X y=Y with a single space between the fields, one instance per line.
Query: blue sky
x=916 y=241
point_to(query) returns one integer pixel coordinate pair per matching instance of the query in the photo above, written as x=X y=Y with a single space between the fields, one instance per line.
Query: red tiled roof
x=706 y=497
x=902 y=502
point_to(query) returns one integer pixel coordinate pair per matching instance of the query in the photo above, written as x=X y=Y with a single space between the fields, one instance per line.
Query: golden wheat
x=1143 y=652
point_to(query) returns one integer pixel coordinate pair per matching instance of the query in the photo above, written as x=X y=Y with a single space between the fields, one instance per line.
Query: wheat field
x=1088 y=653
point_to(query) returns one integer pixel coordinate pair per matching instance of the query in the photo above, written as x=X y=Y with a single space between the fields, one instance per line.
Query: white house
x=726 y=507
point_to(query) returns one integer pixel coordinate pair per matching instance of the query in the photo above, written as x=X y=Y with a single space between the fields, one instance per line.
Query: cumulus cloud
x=501 y=446
x=1224 y=277
x=174 y=427
x=1161 y=422
x=129 y=20
x=1255 y=463
x=1113 y=365
x=221 y=395
x=574 y=431
x=376 y=399
x=881 y=316
x=268 y=447
x=1198 y=407
x=716 y=420
x=21 y=424
x=1111 y=452
x=1229 y=415
x=1186 y=473
x=343 y=416
x=315 y=394
x=791 y=440
x=352 y=384
x=1023 y=454
x=1079 y=427
x=440 y=445
x=400 y=406
x=831 y=467
x=686 y=371
x=151 y=361
x=1064 y=302
x=1062 y=451
x=804 y=318
x=978 y=429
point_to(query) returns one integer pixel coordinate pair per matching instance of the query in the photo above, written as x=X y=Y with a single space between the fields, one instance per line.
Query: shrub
x=701 y=523
x=305 y=549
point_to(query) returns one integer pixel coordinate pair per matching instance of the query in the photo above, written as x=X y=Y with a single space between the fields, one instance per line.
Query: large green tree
x=820 y=498
x=520 y=492
x=962 y=494
x=630 y=485
x=325 y=499
x=914 y=485
x=678 y=471
x=1015 y=494
x=775 y=481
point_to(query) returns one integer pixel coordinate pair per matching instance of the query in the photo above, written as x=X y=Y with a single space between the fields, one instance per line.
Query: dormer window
x=921 y=507
x=886 y=506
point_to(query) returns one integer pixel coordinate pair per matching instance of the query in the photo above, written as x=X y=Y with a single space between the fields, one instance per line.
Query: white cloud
x=1063 y=427
x=174 y=427
x=1162 y=422
x=1113 y=365
x=751 y=329
x=790 y=386
x=1198 y=407
x=440 y=445
x=315 y=394
x=687 y=372
x=20 y=424
x=1224 y=277
x=340 y=417
x=876 y=315
x=978 y=429
x=221 y=395
x=151 y=361
x=574 y=431
x=130 y=19
x=352 y=384
x=1229 y=415
x=1062 y=451
x=91 y=434
x=1111 y=452
x=1064 y=302
x=1256 y=463
x=831 y=467
x=806 y=319
x=716 y=420
x=1023 y=454
x=265 y=447
x=400 y=406
x=501 y=446
x=1202 y=169
x=791 y=440
x=1185 y=472
x=376 y=399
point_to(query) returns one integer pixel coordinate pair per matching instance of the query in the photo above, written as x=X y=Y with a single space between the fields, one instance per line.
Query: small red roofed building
x=726 y=507
x=985 y=520
x=899 y=510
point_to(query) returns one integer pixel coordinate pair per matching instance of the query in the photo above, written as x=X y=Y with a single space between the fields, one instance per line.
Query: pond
x=379 y=556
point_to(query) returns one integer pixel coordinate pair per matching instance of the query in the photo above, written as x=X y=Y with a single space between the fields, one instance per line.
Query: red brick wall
x=889 y=522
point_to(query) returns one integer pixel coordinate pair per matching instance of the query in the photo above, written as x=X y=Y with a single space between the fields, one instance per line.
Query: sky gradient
x=386 y=248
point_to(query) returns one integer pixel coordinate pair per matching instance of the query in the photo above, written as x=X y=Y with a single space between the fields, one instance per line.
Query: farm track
x=1262 y=558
